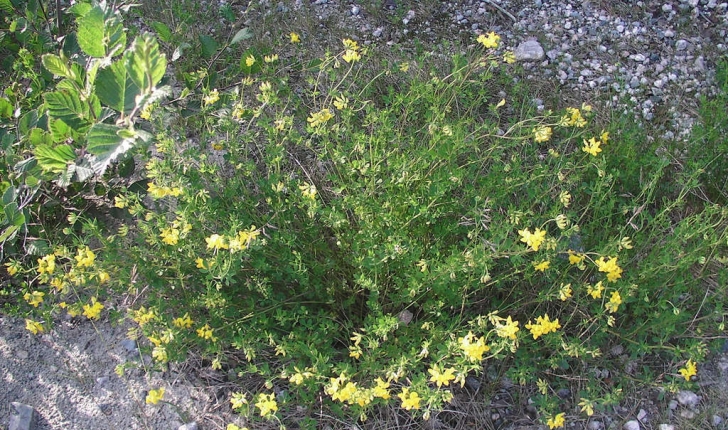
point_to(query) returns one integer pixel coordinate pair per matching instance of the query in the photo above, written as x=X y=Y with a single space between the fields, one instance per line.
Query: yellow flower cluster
x=238 y=242
x=596 y=290
x=410 y=399
x=298 y=377
x=543 y=326
x=489 y=40
x=689 y=370
x=33 y=326
x=295 y=38
x=214 y=95
x=308 y=191
x=573 y=118
x=183 y=322
x=160 y=192
x=154 y=396
x=35 y=298
x=556 y=421
x=205 y=332
x=85 y=258
x=614 y=301
x=541 y=266
x=506 y=328
x=441 y=377
x=535 y=239
x=473 y=347
x=47 y=264
x=351 y=55
x=610 y=267
x=267 y=404
x=93 y=311
x=320 y=117
x=542 y=133
x=143 y=316
x=343 y=390
x=593 y=146
x=13 y=267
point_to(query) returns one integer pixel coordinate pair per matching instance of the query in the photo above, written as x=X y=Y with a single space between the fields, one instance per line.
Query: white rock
x=717 y=419
x=666 y=427
x=595 y=425
x=641 y=415
x=188 y=426
x=687 y=414
x=23 y=417
x=631 y=425
x=688 y=398
x=529 y=50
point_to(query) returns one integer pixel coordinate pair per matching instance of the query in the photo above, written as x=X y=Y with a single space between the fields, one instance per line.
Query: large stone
x=529 y=50
x=631 y=425
x=23 y=418
x=688 y=398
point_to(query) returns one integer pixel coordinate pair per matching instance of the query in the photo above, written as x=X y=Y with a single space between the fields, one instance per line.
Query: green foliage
x=370 y=235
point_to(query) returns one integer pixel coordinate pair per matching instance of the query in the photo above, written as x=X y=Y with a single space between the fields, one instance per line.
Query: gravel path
x=653 y=57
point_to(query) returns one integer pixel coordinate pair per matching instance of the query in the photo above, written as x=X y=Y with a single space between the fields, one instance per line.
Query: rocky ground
x=654 y=58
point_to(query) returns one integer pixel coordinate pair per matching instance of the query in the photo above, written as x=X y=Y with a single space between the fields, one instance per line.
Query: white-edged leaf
x=145 y=65
x=90 y=33
x=54 y=159
x=116 y=89
x=55 y=64
x=106 y=144
x=242 y=34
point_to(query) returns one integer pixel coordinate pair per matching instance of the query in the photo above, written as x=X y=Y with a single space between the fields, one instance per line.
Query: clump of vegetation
x=366 y=234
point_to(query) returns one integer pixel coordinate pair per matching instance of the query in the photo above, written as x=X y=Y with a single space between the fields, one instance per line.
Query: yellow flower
x=238 y=400
x=562 y=221
x=533 y=240
x=216 y=242
x=35 y=298
x=143 y=316
x=183 y=322
x=626 y=243
x=351 y=56
x=212 y=97
x=556 y=421
x=565 y=292
x=543 y=326
x=565 y=198
x=490 y=40
x=298 y=377
x=473 y=347
x=441 y=378
x=542 y=266
x=154 y=396
x=507 y=330
x=159 y=353
x=614 y=301
x=249 y=61
x=47 y=264
x=604 y=137
x=341 y=102
x=92 y=311
x=270 y=58
x=350 y=44
x=33 y=326
x=13 y=267
x=610 y=267
x=573 y=118
x=295 y=38
x=205 y=332
x=382 y=389
x=509 y=57
x=355 y=351
x=308 y=191
x=404 y=66
x=200 y=263
x=103 y=277
x=319 y=117
x=542 y=133
x=575 y=257
x=410 y=400
x=85 y=258
x=688 y=371
x=592 y=146
x=170 y=236
x=587 y=406
x=596 y=290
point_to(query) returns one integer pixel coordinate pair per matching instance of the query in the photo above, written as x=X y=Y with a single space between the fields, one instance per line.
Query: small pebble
x=688 y=398
x=631 y=425
x=666 y=427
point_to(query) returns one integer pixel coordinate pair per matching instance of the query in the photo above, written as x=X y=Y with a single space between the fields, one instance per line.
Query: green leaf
x=145 y=64
x=106 y=144
x=6 y=6
x=80 y=9
x=55 y=64
x=209 y=46
x=9 y=195
x=6 y=108
x=38 y=247
x=116 y=36
x=90 y=33
x=54 y=159
x=59 y=130
x=39 y=137
x=163 y=31
x=13 y=215
x=242 y=34
x=67 y=106
x=9 y=233
x=116 y=89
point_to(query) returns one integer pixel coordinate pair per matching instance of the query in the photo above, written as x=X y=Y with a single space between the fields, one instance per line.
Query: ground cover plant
x=352 y=234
